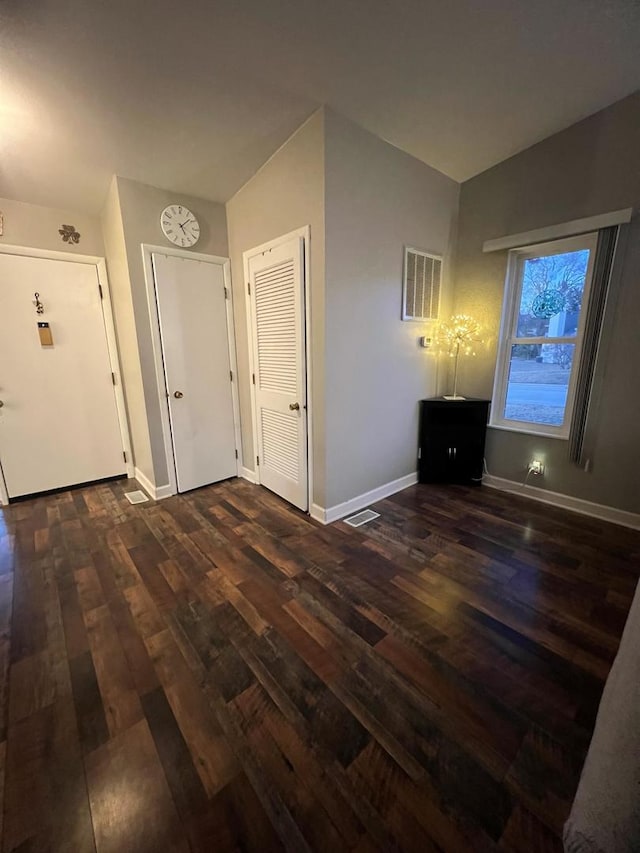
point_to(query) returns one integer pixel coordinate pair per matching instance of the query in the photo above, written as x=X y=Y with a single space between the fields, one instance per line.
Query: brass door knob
x=178 y=395
x=294 y=406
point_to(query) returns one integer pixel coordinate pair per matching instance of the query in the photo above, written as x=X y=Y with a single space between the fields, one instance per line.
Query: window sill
x=528 y=431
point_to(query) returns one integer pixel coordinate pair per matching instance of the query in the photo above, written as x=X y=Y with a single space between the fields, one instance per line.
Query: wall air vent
x=421 y=285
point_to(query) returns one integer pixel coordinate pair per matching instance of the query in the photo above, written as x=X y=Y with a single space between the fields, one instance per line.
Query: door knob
x=294 y=406
x=1 y=404
x=178 y=395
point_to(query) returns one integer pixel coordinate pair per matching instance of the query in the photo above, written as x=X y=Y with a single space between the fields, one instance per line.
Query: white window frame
x=509 y=337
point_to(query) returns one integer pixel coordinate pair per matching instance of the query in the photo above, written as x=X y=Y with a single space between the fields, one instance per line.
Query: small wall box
x=46 y=338
x=451 y=440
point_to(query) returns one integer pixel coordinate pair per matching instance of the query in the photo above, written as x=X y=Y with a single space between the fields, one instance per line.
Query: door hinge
x=249 y=288
x=226 y=293
x=100 y=291
x=231 y=376
x=257 y=460
x=236 y=454
x=113 y=378
x=124 y=455
x=253 y=378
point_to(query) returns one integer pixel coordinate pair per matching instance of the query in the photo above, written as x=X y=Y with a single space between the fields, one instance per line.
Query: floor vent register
x=137 y=497
x=361 y=518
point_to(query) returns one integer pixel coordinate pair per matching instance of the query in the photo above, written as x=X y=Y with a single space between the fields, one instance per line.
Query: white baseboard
x=164 y=491
x=605 y=513
x=247 y=474
x=318 y=512
x=333 y=513
x=155 y=492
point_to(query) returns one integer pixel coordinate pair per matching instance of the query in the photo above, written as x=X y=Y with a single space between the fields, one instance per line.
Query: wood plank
x=185 y=785
x=46 y=805
x=3 y=770
x=133 y=645
x=131 y=803
x=212 y=756
x=90 y=592
x=92 y=723
x=33 y=685
x=234 y=820
x=117 y=687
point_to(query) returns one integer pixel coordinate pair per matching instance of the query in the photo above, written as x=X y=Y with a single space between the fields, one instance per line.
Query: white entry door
x=59 y=422
x=195 y=348
x=276 y=284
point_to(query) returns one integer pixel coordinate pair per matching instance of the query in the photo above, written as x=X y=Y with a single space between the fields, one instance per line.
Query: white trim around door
x=253 y=473
x=112 y=346
x=171 y=488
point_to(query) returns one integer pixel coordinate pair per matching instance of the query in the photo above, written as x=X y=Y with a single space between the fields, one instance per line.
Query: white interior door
x=195 y=347
x=276 y=283
x=59 y=421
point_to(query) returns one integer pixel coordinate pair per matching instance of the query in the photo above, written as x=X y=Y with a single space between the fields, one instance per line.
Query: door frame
x=305 y=233
x=110 y=331
x=158 y=359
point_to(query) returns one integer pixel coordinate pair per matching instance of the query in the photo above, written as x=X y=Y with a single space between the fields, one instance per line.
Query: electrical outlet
x=536 y=467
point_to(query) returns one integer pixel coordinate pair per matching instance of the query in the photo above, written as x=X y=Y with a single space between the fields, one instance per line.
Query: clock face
x=180 y=225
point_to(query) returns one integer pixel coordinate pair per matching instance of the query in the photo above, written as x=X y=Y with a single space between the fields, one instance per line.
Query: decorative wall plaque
x=69 y=234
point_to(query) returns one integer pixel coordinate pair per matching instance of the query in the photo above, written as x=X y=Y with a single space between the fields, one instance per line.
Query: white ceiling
x=194 y=95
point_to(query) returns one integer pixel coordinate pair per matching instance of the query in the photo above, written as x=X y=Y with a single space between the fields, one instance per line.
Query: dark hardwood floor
x=217 y=672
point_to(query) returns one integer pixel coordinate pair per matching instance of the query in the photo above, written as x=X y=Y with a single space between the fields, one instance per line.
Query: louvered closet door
x=277 y=308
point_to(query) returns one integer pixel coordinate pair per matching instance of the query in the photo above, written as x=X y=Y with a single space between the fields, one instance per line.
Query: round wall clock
x=179 y=225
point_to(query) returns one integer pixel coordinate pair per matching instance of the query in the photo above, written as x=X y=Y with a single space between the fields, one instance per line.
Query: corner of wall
x=122 y=305
x=378 y=199
x=285 y=194
x=587 y=169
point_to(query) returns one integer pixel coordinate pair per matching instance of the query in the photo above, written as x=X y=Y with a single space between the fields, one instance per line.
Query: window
x=541 y=341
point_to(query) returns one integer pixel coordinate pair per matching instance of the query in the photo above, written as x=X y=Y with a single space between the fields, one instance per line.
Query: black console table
x=451 y=440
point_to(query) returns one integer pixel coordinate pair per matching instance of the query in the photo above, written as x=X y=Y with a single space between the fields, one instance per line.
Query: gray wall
x=590 y=168
x=378 y=199
x=139 y=214
x=287 y=193
x=125 y=322
x=37 y=227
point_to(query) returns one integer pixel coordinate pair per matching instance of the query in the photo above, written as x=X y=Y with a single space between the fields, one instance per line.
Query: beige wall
x=378 y=199
x=590 y=168
x=138 y=222
x=37 y=227
x=122 y=303
x=287 y=193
